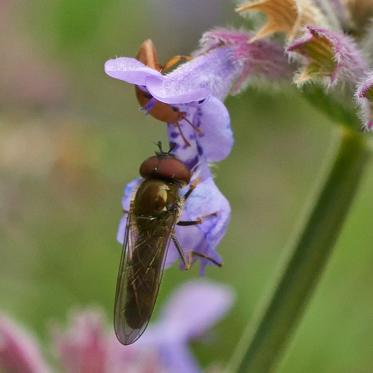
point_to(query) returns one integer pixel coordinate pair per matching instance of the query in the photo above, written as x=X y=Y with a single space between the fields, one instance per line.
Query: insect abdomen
x=155 y=214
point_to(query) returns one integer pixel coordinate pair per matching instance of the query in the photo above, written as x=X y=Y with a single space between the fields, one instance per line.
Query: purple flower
x=364 y=96
x=191 y=89
x=329 y=56
x=19 y=351
x=206 y=202
x=87 y=346
x=224 y=63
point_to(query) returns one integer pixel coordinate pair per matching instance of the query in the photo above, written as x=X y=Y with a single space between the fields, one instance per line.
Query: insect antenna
x=161 y=152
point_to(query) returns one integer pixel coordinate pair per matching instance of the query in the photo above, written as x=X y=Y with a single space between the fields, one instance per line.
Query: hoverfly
x=151 y=220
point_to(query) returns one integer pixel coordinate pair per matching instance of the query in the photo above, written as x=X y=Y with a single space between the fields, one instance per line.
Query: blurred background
x=71 y=138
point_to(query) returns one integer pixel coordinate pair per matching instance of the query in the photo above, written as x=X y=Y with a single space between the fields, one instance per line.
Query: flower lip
x=130 y=70
x=135 y=72
x=158 y=88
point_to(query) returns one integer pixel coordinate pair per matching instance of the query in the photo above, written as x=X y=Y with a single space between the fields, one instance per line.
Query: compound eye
x=168 y=168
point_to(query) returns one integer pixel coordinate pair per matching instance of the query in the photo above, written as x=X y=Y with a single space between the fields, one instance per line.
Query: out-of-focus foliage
x=71 y=138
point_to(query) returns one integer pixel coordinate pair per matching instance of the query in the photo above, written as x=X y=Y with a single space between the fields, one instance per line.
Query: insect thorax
x=157 y=198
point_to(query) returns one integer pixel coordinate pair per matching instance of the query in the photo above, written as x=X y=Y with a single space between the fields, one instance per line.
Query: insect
x=151 y=220
x=147 y=54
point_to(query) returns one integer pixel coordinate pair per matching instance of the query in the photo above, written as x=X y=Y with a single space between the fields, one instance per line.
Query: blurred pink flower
x=85 y=346
x=19 y=351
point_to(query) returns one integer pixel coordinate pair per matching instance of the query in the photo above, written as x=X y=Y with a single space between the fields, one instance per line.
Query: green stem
x=261 y=349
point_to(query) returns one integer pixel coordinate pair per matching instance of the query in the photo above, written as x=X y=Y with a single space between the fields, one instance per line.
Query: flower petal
x=209 y=204
x=179 y=316
x=19 y=351
x=216 y=139
x=183 y=138
x=207 y=129
x=177 y=358
x=130 y=70
x=175 y=91
x=211 y=73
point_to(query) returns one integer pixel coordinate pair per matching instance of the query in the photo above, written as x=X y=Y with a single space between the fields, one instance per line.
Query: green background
x=67 y=152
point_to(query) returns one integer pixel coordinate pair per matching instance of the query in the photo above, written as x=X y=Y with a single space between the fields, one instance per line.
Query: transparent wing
x=140 y=273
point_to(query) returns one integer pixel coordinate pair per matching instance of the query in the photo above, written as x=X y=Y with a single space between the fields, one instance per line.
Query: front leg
x=183 y=223
x=188 y=260
x=187 y=223
x=180 y=250
x=192 y=186
x=203 y=256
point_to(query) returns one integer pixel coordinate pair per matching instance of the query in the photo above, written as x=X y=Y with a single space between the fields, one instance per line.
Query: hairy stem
x=262 y=347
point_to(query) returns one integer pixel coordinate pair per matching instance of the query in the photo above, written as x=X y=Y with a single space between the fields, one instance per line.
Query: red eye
x=165 y=167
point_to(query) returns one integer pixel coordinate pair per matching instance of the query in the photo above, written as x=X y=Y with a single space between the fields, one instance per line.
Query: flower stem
x=261 y=349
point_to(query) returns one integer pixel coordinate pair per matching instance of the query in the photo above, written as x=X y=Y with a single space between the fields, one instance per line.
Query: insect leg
x=186 y=142
x=200 y=220
x=191 y=188
x=174 y=61
x=183 y=223
x=194 y=253
x=187 y=263
x=197 y=129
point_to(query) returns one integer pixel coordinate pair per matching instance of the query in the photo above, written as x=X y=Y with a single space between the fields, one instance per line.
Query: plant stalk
x=261 y=348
